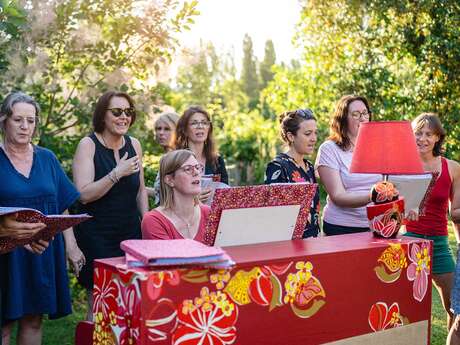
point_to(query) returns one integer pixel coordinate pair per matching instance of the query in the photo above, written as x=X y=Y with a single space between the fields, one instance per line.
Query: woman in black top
x=107 y=171
x=299 y=132
x=194 y=132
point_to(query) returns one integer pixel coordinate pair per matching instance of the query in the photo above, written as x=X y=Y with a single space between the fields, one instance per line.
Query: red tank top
x=434 y=222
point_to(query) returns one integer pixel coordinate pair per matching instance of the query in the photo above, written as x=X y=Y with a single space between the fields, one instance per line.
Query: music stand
x=256 y=214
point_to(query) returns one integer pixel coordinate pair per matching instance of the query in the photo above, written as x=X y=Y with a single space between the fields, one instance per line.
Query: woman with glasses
x=180 y=214
x=107 y=171
x=347 y=193
x=299 y=132
x=194 y=132
x=165 y=136
x=32 y=285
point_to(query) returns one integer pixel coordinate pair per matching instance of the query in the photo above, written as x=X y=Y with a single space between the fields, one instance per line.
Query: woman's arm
x=142 y=197
x=336 y=191
x=74 y=254
x=454 y=169
x=83 y=172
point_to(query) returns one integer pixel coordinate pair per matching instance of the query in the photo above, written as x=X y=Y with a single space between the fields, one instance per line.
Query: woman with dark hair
x=430 y=135
x=347 y=193
x=194 y=132
x=32 y=285
x=107 y=170
x=299 y=132
x=180 y=214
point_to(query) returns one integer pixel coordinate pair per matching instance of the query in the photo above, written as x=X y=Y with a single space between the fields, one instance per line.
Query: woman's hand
x=10 y=227
x=412 y=216
x=127 y=166
x=205 y=195
x=37 y=247
x=76 y=258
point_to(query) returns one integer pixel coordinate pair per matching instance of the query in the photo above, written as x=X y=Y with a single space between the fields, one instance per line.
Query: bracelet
x=109 y=175
x=113 y=176
x=114 y=171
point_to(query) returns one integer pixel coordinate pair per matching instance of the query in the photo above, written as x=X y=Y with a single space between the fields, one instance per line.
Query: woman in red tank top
x=430 y=136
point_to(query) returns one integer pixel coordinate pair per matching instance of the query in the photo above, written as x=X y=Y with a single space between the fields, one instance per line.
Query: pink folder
x=172 y=252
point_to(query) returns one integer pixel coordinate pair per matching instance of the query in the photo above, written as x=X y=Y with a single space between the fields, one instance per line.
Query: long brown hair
x=338 y=130
x=209 y=150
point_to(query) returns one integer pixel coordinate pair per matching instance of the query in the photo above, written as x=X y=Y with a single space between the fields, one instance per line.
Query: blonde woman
x=165 y=130
x=180 y=215
x=165 y=136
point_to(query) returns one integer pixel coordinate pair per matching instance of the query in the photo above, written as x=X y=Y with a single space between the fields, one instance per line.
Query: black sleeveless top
x=115 y=216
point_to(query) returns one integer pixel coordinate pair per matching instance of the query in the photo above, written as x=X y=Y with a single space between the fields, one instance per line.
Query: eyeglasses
x=196 y=124
x=130 y=112
x=365 y=115
x=306 y=114
x=189 y=169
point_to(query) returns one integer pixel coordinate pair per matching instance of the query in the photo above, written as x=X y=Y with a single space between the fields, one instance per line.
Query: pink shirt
x=155 y=226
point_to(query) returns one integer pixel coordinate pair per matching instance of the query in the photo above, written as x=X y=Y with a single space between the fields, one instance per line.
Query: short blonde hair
x=171 y=119
x=169 y=163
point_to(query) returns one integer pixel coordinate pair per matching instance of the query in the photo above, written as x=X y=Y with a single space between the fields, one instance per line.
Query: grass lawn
x=62 y=331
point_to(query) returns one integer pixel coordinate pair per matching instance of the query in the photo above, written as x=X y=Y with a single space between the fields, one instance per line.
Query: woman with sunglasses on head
x=165 y=136
x=299 y=132
x=180 y=214
x=433 y=224
x=194 y=132
x=347 y=193
x=107 y=171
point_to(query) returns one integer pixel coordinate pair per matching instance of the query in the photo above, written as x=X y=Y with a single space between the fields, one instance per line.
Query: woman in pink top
x=180 y=214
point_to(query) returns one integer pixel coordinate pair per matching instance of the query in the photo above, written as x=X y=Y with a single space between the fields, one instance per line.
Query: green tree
x=266 y=73
x=12 y=20
x=249 y=76
x=403 y=55
x=198 y=76
x=73 y=50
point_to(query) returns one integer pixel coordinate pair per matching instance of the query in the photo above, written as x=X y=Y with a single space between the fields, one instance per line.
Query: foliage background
x=403 y=55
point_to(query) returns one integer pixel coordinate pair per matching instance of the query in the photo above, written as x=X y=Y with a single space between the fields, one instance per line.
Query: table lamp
x=387 y=148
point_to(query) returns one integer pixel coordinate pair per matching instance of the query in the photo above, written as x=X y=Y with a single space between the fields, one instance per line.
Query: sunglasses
x=130 y=112
x=306 y=114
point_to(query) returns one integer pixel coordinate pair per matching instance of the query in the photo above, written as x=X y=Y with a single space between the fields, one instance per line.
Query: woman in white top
x=348 y=194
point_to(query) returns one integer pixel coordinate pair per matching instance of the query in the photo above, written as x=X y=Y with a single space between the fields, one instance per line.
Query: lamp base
x=385 y=219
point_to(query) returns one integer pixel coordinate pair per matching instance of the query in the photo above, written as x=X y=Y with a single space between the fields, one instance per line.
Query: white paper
x=413 y=188
x=256 y=225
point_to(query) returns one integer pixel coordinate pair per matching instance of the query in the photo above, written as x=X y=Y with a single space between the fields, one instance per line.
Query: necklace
x=105 y=144
x=24 y=157
x=188 y=224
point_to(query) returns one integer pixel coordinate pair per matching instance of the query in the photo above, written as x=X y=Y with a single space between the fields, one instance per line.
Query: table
x=350 y=289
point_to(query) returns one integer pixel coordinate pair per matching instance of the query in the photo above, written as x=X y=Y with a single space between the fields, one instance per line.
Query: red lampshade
x=386 y=147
